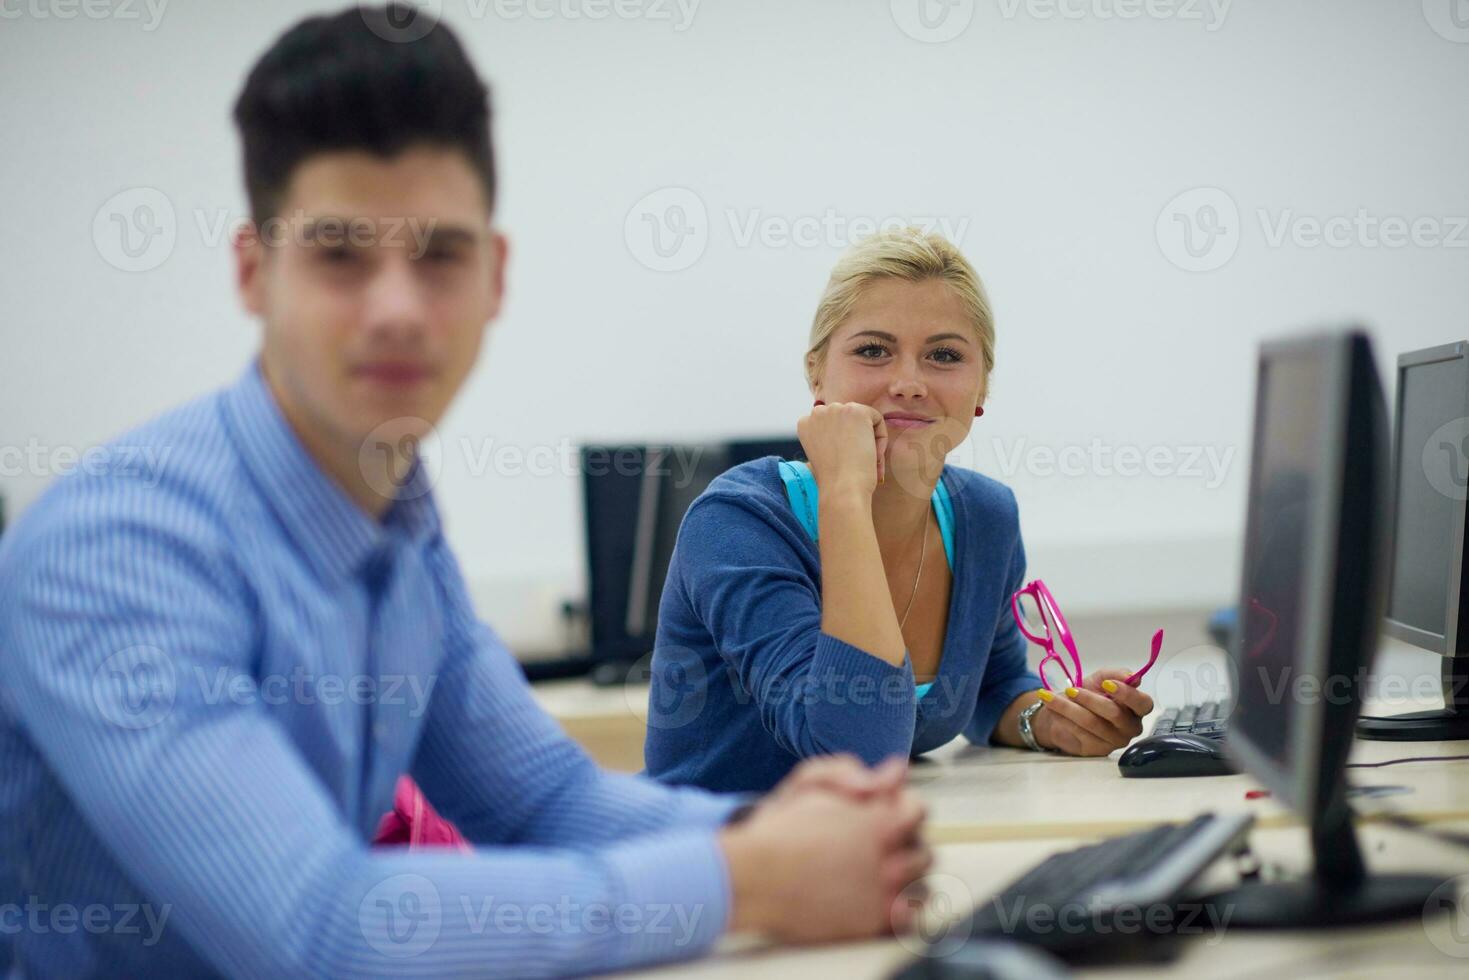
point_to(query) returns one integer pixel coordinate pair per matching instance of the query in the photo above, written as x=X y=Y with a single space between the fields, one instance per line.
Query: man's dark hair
x=376 y=79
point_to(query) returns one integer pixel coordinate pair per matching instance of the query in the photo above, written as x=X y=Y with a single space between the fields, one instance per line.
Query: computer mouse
x=986 y=959
x=1176 y=755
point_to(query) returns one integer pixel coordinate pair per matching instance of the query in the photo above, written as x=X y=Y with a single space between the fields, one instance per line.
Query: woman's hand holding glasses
x=1094 y=715
x=1101 y=716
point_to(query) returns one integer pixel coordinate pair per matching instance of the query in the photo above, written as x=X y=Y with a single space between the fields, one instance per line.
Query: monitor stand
x=1338 y=892
x=1448 y=723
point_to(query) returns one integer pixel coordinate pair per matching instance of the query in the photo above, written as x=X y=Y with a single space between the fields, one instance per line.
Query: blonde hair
x=909 y=254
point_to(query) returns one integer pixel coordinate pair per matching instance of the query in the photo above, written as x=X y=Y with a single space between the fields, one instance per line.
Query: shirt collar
x=335 y=534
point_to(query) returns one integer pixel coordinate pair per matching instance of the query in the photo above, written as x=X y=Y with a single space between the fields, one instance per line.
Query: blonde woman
x=859 y=601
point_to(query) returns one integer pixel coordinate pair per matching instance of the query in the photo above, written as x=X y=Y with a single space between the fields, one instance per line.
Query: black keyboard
x=1071 y=903
x=1193 y=719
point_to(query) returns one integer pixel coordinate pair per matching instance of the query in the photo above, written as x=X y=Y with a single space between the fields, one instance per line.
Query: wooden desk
x=995 y=812
x=977 y=794
x=1433 y=946
x=995 y=793
x=990 y=793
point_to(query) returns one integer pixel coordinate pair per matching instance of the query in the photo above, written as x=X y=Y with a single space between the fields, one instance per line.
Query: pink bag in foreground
x=414 y=822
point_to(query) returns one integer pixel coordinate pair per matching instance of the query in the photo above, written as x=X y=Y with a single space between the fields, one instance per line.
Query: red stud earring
x=979 y=411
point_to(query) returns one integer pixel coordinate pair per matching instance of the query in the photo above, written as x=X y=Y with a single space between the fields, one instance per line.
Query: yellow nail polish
x=1071 y=692
x=1044 y=695
x=1110 y=686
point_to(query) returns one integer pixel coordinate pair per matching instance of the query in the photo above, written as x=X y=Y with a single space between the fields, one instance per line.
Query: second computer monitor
x=1428 y=604
x=1424 y=597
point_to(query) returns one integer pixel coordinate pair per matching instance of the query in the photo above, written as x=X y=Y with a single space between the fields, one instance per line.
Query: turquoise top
x=801 y=490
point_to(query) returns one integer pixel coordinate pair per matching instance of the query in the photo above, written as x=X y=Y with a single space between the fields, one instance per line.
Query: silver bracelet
x=1027 y=734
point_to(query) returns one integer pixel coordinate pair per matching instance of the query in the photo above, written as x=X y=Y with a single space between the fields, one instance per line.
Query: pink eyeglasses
x=1035 y=608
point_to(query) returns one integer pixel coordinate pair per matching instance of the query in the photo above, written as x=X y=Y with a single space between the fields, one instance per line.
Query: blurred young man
x=216 y=671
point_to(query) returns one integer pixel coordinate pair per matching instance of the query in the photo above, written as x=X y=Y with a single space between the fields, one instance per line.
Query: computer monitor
x=635 y=498
x=1427 y=603
x=1312 y=599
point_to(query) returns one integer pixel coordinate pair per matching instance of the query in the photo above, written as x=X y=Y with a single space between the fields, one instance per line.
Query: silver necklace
x=922 y=551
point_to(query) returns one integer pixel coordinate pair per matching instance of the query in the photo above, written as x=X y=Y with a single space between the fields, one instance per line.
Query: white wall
x=1055 y=144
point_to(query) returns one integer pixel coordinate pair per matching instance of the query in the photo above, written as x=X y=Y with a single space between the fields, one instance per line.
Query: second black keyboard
x=1067 y=903
x=1207 y=718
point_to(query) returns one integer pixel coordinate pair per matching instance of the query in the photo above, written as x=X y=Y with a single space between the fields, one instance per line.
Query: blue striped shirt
x=215 y=667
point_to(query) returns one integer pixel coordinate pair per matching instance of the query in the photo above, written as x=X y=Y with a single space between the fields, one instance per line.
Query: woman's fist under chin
x=845 y=443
